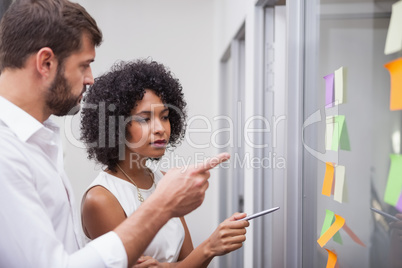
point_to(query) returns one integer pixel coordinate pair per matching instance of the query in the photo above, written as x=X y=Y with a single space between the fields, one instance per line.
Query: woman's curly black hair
x=115 y=94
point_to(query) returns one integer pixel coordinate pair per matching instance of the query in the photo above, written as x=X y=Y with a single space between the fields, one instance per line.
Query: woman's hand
x=148 y=261
x=229 y=235
x=396 y=227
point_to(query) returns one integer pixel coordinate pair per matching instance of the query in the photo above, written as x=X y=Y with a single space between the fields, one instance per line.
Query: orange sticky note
x=395 y=71
x=328 y=179
x=339 y=222
x=353 y=235
x=331 y=259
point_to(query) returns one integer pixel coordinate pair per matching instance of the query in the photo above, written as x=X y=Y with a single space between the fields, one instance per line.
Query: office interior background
x=300 y=93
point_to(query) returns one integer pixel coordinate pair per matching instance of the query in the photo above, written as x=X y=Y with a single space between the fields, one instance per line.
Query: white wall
x=180 y=34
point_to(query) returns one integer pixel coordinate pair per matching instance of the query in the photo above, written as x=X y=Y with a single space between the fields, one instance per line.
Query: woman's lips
x=159 y=143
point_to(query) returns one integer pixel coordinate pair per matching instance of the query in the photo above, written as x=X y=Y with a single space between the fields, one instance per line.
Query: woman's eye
x=165 y=118
x=140 y=119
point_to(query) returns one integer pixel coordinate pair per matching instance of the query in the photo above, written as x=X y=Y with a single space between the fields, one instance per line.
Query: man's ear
x=46 y=62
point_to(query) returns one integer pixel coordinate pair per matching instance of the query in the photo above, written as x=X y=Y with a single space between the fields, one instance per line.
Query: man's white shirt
x=39 y=222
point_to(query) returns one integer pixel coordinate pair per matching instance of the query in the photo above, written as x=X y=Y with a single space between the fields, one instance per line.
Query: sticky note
x=393 y=42
x=345 y=197
x=399 y=203
x=337 y=236
x=329 y=90
x=329 y=132
x=328 y=221
x=396 y=142
x=331 y=259
x=344 y=139
x=395 y=71
x=340 y=85
x=338 y=126
x=332 y=230
x=328 y=179
x=394 y=183
x=340 y=138
x=339 y=183
x=353 y=235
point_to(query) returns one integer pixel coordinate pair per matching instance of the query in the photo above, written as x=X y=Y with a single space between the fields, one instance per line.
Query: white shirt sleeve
x=109 y=247
x=34 y=231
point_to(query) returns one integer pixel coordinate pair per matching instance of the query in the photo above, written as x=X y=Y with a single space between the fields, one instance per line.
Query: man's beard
x=59 y=99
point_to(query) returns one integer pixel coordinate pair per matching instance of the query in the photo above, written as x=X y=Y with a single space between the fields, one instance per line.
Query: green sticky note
x=337 y=237
x=340 y=137
x=329 y=217
x=394 y=183
x=344 y=139
x=328 y=221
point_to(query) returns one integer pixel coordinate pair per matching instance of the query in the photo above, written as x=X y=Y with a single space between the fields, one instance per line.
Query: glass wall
x=351 y=137
x=231 y=183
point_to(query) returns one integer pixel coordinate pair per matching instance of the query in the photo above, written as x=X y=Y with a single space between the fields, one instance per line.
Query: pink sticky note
x=399 y=204
x=329 y=90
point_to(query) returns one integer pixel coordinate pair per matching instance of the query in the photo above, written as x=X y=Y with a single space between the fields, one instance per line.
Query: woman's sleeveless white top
x=166 y=245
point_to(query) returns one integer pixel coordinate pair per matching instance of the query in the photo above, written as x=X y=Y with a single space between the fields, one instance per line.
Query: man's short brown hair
x=29 y=25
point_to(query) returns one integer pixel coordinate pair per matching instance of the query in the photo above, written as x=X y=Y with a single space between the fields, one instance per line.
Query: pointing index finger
x=212 y=162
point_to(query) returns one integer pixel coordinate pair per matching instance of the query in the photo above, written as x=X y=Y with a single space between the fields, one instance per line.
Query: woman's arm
x=229 y=236
x=101 y=212
x=187 y=246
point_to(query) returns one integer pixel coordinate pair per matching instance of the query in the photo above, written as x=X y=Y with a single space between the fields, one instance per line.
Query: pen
x=389 y=216
x=258 y=214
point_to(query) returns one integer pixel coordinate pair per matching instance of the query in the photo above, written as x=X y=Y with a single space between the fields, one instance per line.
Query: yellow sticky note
x=395 y=71
x=329 y=132
x=339 y=183
x=340 y=85
x=339 y=222
x=393 y=42
x=331 y=259
x=328 y=179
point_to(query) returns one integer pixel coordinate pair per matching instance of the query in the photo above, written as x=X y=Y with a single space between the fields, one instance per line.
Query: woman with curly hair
x=132 y=114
